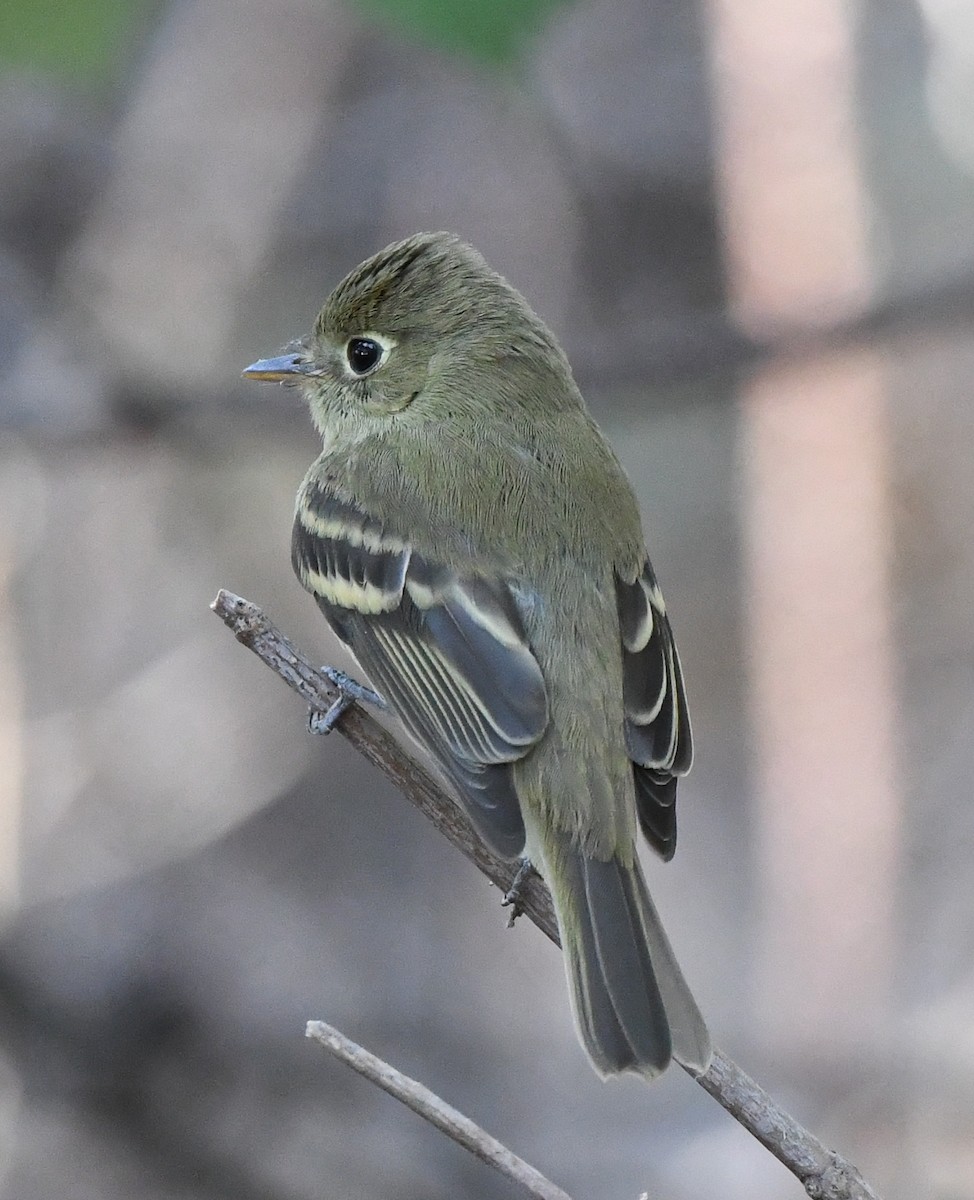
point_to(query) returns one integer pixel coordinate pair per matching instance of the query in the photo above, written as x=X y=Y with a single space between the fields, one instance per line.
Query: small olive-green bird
x=470 y=535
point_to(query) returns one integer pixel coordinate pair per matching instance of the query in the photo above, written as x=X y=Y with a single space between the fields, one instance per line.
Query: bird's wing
x=447 y=651
x=658 y=733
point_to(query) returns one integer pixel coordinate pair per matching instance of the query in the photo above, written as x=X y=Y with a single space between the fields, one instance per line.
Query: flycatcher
x=471 y=536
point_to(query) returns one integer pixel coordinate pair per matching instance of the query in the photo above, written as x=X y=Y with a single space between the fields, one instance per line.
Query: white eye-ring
x=365 y=353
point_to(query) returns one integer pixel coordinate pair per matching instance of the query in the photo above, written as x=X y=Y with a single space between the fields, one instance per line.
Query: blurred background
x=752 y=225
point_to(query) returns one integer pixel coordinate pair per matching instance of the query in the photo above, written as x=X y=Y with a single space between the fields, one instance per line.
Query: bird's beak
x=282 y=369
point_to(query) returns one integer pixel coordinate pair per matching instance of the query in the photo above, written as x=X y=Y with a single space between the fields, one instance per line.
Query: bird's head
x=424 y=311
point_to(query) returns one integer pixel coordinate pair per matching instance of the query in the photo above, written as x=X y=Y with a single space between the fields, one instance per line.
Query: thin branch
x=375 y=743
x=824 y=1174
x=431 y=1108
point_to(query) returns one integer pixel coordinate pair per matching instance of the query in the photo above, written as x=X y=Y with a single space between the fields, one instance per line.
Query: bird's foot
x=349 y=692
x=514 y=896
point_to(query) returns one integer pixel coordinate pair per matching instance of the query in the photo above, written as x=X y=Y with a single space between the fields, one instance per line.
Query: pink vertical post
x=815 y=517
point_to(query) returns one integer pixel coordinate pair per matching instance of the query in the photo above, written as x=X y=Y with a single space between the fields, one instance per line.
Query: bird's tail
x=631 y=1003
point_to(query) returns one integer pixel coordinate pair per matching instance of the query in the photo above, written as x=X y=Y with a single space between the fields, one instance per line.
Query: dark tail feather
x=631 y=1003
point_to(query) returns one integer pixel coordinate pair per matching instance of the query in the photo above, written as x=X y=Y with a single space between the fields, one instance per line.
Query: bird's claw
x=514 y=896
x=349 y=692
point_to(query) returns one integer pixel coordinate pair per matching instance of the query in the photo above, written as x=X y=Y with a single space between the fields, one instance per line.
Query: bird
x=470 y=535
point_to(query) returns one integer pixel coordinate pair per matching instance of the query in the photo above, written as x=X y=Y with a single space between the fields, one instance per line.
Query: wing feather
x=448 y=652
x=658 y=735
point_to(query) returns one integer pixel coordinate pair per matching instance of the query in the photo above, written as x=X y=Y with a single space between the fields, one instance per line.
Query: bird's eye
x=363 y=354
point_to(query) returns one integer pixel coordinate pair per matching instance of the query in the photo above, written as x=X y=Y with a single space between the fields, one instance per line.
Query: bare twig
x=429 y=1106
x=824 y=1174
x=375 y=743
